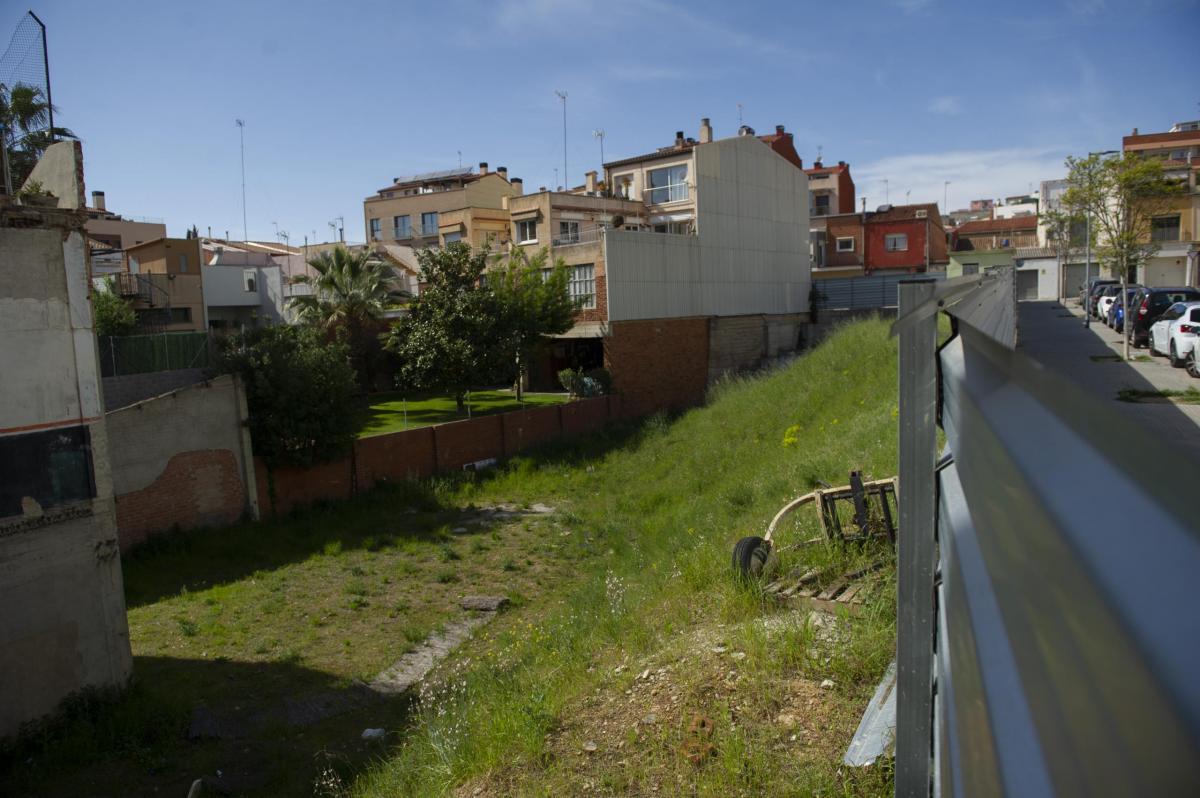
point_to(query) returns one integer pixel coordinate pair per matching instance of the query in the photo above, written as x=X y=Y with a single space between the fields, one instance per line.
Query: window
x=376 y=229
x=896 y=242
x=568 y=233
x=583 y=284
x=452 y=237
x=817 y=240
x=183 y=262
x=249 y=282
x=527 y=231
x=624 y=184
x=667 y=185
x=401 y=227
x=1164 y=228
x=845 y=244
x=970 y=268
x=181 y=315
x=429 y=224
x=677 y=228
x=821 y=205
x=52 y=467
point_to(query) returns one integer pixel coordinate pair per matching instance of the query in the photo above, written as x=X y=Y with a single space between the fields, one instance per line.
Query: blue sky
x=339 y=98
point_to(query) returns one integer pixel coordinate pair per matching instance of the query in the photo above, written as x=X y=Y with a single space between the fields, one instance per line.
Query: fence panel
x=1065 y=640
x=140 y=354
x=864 y=293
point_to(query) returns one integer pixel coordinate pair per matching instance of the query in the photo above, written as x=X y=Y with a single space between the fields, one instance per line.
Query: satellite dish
x=618 y=220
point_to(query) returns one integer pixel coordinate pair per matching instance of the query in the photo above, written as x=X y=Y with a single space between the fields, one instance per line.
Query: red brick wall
x=462 y=442
x=843 y=227
x=197 y=488
x=600 y=312
x=526 y=428
x=395 y=456
x=658 y=364
x=912 y=259
x=586 y=415
x=296 y=487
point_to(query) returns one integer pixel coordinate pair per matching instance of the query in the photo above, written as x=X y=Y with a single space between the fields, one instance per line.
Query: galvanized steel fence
x=140 y=354
x=1048 y=633
x=863 y=293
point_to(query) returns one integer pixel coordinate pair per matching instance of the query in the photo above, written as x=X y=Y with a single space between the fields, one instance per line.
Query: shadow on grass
x=386 y=516
x=136 y=742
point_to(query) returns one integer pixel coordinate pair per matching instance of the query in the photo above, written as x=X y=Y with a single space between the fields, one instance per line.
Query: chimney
x=841 y=163
x=502 y=171
x=705 y=131
x=678 y=138
x=589 y=182
x=519 y=185
x=1135 y=131
x=817 y=165
x=483 y=170
x=779 y=130
x=98 y=200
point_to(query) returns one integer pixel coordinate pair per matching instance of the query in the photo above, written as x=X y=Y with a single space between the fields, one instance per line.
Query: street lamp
x=1087 y=257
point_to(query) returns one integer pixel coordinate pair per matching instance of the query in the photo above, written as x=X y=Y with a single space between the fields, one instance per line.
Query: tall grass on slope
x=653 y=522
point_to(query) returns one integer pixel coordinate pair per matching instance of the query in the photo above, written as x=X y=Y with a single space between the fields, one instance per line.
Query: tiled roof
x=1012 y=225
x=899 y=213
x=841 y=167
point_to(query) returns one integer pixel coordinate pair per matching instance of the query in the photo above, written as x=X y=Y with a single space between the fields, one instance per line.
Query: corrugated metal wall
x=863 y=293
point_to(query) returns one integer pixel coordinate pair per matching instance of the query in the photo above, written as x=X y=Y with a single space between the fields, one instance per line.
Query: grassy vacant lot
x=385 y=412
x=626 y=625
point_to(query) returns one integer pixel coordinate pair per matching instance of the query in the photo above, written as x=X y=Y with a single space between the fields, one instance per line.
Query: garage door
x=1074 y=281
x=1027 y=285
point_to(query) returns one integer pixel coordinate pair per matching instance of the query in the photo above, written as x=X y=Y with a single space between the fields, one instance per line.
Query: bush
x=300 y=390
x=596 y=382
x=111 y=314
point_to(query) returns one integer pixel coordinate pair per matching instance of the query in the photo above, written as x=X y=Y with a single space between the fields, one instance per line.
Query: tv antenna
x=241 y=124
x=739 y=105
x=599 y=134
x=562 y=95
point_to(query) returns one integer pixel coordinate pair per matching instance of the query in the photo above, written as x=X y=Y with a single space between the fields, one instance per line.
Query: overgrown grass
x=658 y=517
x=1188 y=396
x=393 y=412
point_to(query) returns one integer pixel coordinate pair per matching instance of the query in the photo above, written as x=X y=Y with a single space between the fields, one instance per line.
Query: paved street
x=1055 y=336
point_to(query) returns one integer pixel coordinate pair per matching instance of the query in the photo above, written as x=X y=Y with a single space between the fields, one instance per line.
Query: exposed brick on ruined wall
x=743 y=343
x=462 y=442
x=398 y=455
x=659 y=364
x=197 y=488
x=527 y=428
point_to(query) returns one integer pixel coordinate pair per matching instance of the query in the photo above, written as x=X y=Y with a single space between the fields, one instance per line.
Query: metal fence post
x=915 y=593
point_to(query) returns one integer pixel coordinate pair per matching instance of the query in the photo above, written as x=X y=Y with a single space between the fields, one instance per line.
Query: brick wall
x=178 y=461
x=742 y=343
x=526 y=428
x=462 y=442
x=399 y=455
x=658 y=364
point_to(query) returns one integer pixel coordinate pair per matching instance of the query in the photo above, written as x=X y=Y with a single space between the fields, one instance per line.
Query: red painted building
x=894 y=238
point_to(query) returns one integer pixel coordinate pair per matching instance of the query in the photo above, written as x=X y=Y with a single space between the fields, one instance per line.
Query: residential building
x=242 y=290
x=64 y=628
x=893 y=237
x=1176 y=231
x=113 y=231
x=410 y=211
x=703 y=251
x=1024 y=205
x=162 y=279
x=831 y=189
x=987 y=243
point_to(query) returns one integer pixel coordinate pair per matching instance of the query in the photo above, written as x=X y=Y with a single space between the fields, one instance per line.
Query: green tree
x=1121 y=194
x=25 y=120
x=535 y=303
x=111 y=314
x=454 y=335
x=350 y=292
x=300 y=392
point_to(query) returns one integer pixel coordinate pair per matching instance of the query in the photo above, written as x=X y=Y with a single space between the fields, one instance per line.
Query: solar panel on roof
x=441 y=175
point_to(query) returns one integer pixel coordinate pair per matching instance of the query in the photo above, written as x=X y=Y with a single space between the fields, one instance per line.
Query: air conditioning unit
x=922 y=214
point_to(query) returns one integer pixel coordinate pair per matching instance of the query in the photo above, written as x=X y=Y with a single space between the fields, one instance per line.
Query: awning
x=586 y=329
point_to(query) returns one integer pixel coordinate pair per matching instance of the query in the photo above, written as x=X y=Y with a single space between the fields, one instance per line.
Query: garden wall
x=426 y=451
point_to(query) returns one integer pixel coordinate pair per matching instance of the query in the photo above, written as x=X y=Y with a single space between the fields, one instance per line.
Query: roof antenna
x=739 y=114
x=819 y=148
x=460 y=159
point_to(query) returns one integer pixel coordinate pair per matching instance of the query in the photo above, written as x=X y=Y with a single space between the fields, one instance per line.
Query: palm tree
x=24 y=124
x=350 y=292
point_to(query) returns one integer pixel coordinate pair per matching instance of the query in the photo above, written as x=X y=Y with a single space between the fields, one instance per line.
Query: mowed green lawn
x=395 y=411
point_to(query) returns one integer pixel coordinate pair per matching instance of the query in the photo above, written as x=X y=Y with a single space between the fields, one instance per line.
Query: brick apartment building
x=893 y=238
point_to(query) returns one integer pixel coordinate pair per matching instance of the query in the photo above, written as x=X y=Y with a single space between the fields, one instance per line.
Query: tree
x=350 y=292
x=454 y=335
x=111 y=314
x=299 y=390
x=1062 y=234
x=535 y=302
x=1121 y=194
x=25 y=120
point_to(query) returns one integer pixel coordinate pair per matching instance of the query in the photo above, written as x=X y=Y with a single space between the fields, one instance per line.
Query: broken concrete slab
x=484 y=603
x=415 y=665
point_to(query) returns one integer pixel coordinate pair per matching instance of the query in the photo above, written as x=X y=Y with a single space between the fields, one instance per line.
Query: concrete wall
x=983 y=259
x=750 y=253
x=63 y=624
x=181 y=461
x=1047 y=272
x=125 y=390
x=225 y=290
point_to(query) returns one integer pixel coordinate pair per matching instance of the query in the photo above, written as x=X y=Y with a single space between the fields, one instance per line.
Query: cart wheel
x=750 y=556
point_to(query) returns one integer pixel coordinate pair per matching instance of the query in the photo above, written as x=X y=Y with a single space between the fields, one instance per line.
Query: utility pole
x=562 y=95
x=241 y=124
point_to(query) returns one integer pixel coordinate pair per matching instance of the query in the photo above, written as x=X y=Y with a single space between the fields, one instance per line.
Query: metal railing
x=1046 y=632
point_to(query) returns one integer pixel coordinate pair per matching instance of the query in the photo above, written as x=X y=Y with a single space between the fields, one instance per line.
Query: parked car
x=1193 y=364
x=1175 y=332
x=1105 y=299
x=1150 y=303
x=1116 y=313
x=1092 y=287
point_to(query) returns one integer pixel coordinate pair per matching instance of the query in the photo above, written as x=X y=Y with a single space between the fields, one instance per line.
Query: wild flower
x=791 y=436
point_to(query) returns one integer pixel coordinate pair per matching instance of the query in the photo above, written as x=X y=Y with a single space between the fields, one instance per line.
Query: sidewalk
x=1054 y=335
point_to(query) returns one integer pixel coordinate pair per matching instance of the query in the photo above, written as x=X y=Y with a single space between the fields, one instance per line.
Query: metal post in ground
x=916 y=554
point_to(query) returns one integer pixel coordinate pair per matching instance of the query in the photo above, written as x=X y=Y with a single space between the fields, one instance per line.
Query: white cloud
x=973 y=174
x=947 y=106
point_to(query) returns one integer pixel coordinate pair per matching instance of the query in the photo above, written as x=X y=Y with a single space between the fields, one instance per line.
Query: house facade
x=162 y=280
x=1176 y=231
x=892 y=238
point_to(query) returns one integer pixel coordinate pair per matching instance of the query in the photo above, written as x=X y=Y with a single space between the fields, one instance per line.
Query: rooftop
x=1010 y=225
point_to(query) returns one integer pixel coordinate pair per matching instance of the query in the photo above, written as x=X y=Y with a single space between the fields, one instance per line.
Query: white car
x=1102 y=306
x=1176 y=332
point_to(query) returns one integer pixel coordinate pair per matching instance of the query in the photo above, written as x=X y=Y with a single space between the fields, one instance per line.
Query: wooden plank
x=819 y=499
x=849 y=593
x=831 y=591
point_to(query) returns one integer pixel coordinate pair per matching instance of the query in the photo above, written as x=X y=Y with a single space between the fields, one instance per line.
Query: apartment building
x=892 y=238
x=695 y=257
x=987 y=243
x=413 y=209
x=1177 y=231
x=831 y=191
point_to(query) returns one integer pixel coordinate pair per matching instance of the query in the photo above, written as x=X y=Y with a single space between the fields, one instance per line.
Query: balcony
x=589 y=236
x=661 y=195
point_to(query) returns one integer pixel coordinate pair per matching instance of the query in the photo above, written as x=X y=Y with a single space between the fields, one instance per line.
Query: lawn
x=394 y=411
x=626 y=625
